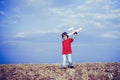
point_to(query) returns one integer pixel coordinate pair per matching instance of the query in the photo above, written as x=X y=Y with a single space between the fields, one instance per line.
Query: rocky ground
x=81 y=71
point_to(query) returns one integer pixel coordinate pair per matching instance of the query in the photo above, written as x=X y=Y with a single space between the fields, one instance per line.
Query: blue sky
x=30 y=30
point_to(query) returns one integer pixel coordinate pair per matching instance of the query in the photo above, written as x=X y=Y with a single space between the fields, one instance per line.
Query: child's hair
x=65 y=33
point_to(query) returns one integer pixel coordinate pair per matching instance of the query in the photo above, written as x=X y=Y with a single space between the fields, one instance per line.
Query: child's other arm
x=74 y=35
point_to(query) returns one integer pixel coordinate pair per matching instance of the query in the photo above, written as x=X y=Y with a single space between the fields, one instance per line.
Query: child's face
x=65 y=37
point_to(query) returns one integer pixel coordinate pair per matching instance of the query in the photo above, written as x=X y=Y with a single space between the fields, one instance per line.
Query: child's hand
x=75 y=33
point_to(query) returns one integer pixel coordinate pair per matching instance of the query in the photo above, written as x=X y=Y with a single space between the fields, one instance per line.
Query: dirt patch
x=81 y=71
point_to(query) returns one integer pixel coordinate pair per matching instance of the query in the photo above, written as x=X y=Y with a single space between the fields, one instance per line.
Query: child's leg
x=70 y=60
x=64 y=61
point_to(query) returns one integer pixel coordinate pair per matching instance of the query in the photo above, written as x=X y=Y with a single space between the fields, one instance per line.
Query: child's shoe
x=70 y=65
x=63 y=67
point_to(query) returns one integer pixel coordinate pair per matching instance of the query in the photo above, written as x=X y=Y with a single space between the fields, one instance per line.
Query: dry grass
x=82 y=71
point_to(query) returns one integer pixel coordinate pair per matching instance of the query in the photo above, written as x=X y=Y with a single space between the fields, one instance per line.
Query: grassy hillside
x=82 y=71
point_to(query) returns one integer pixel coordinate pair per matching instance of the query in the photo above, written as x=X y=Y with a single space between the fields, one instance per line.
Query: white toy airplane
x=72 y=30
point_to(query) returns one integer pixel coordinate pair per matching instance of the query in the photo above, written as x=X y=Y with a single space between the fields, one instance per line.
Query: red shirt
x=66 y=46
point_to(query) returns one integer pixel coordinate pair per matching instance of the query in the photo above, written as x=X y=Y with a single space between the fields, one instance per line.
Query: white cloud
x=60 y=11
x=9 y=21
x=93 y=14
x=28 y=34
x=38 y=3
x=85 y=8
x=2 y=13
x=20 y=35
x=77 y=16
x=117 y=11
x=110 y=35
x=16 y=9
x=97 y=1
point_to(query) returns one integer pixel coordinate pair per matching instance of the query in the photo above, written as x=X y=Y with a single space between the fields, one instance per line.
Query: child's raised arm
x=74 y=35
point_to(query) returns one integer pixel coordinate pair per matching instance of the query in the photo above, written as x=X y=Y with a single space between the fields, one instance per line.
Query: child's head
x=65 y=35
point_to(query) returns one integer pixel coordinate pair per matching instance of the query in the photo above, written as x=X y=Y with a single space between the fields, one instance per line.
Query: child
x=67 y=50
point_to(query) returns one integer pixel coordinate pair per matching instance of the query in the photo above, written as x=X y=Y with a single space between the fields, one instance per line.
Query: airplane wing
x=73 y=31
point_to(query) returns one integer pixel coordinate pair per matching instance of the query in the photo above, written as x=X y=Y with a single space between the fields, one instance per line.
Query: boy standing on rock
x=67 y=50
